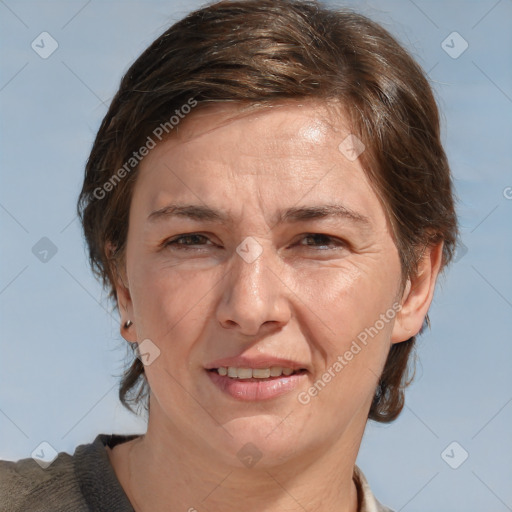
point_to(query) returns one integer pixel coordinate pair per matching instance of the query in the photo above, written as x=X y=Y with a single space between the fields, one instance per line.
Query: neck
x=165 y=470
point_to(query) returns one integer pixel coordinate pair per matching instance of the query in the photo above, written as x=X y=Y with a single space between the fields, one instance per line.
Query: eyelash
x=187 y=247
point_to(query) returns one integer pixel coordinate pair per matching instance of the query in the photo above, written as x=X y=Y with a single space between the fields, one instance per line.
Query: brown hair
x=260 y=52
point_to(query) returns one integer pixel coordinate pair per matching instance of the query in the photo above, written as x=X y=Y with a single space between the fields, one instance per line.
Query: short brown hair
x=260 y=52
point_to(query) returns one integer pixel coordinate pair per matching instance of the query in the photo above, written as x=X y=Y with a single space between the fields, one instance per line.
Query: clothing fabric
x=86 y=482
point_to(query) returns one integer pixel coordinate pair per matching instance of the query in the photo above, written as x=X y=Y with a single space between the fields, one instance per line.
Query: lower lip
x=256 y=389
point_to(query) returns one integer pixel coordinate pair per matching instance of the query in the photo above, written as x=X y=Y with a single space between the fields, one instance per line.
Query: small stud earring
x=128 y=324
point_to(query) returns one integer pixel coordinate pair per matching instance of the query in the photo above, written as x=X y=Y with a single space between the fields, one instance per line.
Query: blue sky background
x=61 y=352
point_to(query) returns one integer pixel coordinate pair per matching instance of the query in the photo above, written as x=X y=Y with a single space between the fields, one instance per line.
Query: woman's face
x=267 y=278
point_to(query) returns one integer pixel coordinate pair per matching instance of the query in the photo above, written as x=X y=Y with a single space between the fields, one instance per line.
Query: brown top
x=86 y=481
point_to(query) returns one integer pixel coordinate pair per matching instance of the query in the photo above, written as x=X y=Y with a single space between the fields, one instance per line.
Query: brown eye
x=185 y=241
x=320 y=240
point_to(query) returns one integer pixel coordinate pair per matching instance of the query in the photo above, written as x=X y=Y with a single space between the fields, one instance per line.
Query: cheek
x=348 y=298
x=170 y=311
x=359 y=312
x=168 y=302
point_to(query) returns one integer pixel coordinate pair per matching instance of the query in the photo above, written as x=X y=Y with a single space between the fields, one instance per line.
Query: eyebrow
x=291 y=215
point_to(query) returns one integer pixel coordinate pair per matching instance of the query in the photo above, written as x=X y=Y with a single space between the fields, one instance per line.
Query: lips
x=244 y=378
x=257 y=389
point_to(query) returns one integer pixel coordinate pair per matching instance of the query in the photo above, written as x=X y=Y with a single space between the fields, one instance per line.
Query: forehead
x=292 y=127
x=281 y=153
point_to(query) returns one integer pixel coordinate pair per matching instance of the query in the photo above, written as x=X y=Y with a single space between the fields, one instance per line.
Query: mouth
x=257 y=384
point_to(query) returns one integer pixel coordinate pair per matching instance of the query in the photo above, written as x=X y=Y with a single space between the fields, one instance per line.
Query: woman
x=269 y=204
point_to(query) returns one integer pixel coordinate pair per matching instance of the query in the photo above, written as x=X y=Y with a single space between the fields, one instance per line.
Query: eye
x=189 y=241
x=322 y=240
x=182 y=241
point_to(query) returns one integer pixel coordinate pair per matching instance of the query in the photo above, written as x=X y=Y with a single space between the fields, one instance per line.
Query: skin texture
x=304 y=298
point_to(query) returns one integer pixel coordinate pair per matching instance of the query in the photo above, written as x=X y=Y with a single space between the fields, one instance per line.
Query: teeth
x=261 y=373
x=244 y=373
x=275 y=371
x=256 y=373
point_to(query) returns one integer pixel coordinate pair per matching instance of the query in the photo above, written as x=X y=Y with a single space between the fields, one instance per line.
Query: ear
x=124 y=300
x=418 y=294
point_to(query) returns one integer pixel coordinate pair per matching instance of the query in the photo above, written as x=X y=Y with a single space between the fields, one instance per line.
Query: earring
x=128 y=324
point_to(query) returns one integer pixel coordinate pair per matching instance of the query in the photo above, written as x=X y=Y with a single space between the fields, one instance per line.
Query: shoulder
x=80 y=482
x=367 y=501
x=26 y=486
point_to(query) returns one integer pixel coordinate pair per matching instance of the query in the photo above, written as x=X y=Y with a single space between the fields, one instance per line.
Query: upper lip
x=260 y=361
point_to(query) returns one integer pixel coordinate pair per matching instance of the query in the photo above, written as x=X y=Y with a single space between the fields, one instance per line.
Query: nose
x=254 y=295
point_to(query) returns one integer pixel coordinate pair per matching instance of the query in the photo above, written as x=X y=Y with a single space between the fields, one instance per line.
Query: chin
x=265 y=440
